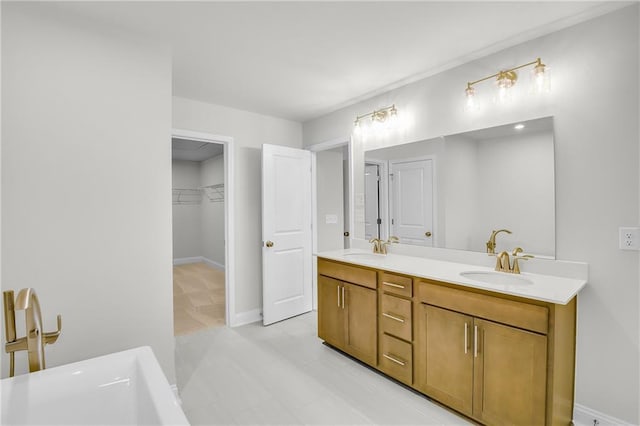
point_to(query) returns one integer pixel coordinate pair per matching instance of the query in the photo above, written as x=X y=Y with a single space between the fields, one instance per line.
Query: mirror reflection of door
x=371 y=201
x=411 y=209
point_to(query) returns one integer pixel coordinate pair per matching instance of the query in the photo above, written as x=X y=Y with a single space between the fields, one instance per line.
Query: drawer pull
x=397 y=361
x=392 y=284
x=393 y=317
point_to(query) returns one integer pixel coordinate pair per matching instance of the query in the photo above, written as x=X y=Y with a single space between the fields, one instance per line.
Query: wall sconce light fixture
x=506 y=79
x=378 y=116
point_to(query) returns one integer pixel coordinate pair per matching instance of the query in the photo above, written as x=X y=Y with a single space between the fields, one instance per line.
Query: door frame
x=383 y=195
x=229 y=213
x=324 y=146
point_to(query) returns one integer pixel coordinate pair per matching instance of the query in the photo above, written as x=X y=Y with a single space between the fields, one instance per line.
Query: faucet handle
x=516 y=266
x=52 y=336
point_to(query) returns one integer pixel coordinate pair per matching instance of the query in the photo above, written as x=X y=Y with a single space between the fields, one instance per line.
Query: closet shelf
x=191 y=196
x=215 y=193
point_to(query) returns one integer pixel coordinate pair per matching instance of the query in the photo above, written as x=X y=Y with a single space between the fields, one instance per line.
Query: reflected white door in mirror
x=485 y=179
x=411 y=205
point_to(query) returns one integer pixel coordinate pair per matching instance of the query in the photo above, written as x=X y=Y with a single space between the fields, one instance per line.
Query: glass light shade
x=541 y=79
x=471 y=102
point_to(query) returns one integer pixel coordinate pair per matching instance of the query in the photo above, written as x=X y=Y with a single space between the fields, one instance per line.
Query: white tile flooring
x=283 y=375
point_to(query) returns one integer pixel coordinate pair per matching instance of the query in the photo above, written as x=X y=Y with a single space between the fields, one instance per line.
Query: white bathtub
x=124 y=388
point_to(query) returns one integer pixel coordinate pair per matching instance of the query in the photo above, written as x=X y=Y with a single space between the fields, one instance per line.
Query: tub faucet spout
x=35 y=339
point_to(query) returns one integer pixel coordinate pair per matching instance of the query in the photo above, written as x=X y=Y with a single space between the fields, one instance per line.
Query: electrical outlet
x=629 y=238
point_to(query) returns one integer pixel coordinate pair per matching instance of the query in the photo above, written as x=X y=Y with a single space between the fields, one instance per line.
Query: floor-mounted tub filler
x=123 y=388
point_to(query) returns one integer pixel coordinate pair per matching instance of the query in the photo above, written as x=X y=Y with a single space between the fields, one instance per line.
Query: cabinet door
x=331 y=325
x=445 y=363
x=361 y=312
x=510 y=375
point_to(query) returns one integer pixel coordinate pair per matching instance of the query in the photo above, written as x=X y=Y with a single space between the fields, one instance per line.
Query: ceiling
x=300 y=60
x=190 y=150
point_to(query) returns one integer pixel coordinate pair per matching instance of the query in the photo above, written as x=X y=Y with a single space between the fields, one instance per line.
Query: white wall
x=86 y=178
x=249 y=132
x=597 y=176
x=329 y=198
x=460 y=195
x=516 y=179
x=187 y=226
x=212 y=173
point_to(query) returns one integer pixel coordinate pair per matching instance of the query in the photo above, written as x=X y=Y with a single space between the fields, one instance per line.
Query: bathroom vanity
x=498 y=348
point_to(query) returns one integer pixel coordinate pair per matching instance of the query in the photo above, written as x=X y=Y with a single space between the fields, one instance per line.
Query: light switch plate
x=331 y=218
x=629 y=238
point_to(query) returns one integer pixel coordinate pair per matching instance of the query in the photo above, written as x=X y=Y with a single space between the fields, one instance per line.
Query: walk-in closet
x=198 y=235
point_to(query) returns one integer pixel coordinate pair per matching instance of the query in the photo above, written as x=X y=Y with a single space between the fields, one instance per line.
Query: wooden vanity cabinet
x=495 y=358
x=347 y=310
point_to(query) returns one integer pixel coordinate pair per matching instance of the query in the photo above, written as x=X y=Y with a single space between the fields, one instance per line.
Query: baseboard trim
x=187 y=260
x=247 y=317
x=198 y=259
x=585 y=416
x=213 y=263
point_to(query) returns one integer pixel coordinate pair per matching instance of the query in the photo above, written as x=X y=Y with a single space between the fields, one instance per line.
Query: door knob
x=346 y=233
x=269 y=243
x=427 y=234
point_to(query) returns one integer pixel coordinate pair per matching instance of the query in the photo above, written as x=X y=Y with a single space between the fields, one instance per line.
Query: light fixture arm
x=379 y=114
x=537 y=62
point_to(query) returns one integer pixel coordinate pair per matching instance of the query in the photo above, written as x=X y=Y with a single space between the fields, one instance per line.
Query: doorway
x=202 y=262
x=331 y=186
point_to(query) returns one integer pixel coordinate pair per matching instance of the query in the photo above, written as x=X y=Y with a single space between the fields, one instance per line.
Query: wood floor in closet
x=198 y=298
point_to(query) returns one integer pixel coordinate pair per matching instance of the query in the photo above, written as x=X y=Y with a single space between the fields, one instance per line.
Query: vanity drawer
x=395 y=316
x=518 y=314
x=396 y=284
x=396 y=359
x=352 y=274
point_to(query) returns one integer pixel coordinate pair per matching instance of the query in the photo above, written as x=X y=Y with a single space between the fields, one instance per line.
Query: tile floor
x=198 y=298
x=283 y=375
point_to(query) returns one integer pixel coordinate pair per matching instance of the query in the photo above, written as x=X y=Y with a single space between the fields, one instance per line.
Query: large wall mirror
x=452 y=191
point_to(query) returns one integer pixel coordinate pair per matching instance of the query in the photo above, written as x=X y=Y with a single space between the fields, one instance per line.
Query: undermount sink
x=364 y=256
x=500 y=278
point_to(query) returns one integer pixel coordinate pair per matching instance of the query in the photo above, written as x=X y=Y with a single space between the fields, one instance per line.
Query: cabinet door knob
x=269 y=243
x=427 y=234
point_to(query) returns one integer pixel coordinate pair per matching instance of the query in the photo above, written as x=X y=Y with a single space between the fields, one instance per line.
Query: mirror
x=452 y=191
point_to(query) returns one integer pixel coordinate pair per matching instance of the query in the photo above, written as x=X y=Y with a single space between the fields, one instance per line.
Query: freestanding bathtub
x=123 y=388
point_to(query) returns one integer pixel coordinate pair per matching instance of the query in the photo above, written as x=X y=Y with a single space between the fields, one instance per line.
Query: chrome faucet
x=491 y=244
x=380 y=247
x=35 y=339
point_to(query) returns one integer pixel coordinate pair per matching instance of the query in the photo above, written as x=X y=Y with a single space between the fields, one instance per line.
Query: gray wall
x=187 y=218
x=198 y=229
x=86 y=173
x=212 y=220
x=329 y=198
x=597 y=176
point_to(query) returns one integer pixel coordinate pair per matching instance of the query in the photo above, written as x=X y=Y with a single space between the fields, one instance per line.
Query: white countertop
x=545 y=288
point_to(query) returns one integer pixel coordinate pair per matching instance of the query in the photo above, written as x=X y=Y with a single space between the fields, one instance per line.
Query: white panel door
x=286 y=232
x=371 y=201
x=412 y=202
